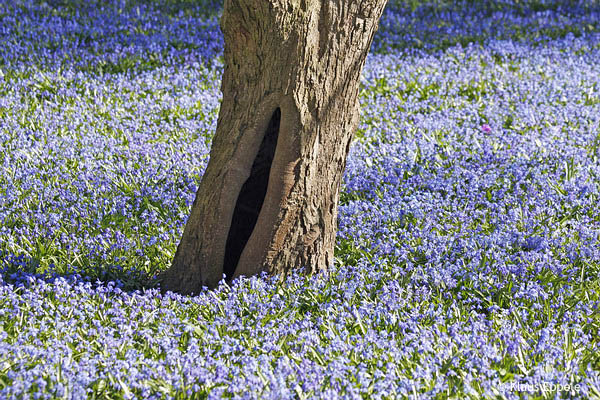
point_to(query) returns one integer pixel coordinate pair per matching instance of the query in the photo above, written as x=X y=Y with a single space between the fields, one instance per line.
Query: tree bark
x=268 y=198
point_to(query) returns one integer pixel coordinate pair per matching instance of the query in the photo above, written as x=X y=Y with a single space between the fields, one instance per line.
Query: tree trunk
x=268 y=199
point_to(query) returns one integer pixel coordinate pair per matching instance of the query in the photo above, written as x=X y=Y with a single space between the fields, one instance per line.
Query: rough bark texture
x=303 y=60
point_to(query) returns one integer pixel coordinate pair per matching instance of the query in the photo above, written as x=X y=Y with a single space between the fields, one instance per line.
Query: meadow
x=468 y=251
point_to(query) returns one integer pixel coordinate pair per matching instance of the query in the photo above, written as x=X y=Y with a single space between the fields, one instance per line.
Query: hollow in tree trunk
x=268 y=198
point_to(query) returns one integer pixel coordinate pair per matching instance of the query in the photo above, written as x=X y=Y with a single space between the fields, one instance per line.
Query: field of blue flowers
x=468 y=252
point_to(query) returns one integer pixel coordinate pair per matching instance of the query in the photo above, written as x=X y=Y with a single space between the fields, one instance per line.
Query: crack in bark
x=251 y=197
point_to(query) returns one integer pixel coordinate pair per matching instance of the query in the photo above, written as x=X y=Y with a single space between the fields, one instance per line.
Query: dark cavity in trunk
x=251 y=198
